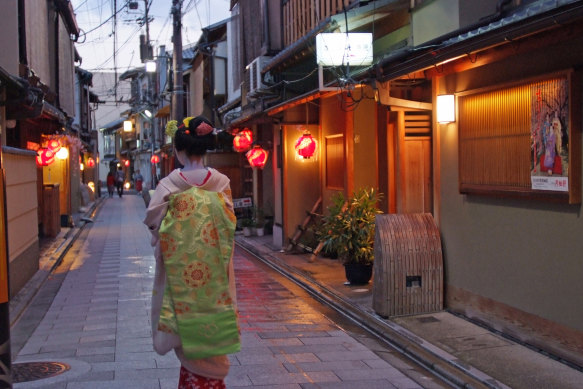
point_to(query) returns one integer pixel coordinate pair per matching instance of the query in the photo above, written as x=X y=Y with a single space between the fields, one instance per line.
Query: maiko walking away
x=192 y=222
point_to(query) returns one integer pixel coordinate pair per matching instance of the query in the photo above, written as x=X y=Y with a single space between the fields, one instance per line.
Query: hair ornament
x=187 y=132
x=171 y=128
x=204 y=129
x=186 y=121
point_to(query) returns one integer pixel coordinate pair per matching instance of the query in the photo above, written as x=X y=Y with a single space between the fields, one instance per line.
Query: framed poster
x=549 y=134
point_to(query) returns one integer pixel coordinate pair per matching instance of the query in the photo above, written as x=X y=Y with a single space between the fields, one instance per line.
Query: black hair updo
x=186 y=138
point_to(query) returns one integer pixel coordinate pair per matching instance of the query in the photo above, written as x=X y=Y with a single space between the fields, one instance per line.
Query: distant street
x=98 y=324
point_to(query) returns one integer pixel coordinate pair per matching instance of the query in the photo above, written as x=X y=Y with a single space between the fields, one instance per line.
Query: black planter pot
x=358 y=273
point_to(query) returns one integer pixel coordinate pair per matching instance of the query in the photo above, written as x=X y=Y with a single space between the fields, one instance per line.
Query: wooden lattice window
x=335 y=162
x=520 y=139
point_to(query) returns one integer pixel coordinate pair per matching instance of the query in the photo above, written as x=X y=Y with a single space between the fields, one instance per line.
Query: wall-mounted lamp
x=148 y=113
x=63 y=153
x=151 y=66
x=446 y=108
x=127 y=126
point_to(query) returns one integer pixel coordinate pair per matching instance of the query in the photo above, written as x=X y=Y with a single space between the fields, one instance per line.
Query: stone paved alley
x=92 y=315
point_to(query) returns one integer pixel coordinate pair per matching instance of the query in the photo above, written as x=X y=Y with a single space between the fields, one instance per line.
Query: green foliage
x=247 y=222
x=348 y=229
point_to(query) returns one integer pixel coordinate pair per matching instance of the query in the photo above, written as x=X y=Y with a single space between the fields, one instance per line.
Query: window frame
x=573 y=194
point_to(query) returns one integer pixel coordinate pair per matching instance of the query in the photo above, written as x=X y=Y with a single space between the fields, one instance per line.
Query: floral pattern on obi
x=210 y=235
x=196 y=274
x=168 y=244
x=183 y=207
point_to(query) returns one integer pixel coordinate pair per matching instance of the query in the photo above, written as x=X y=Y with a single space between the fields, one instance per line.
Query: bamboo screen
x=494 y=139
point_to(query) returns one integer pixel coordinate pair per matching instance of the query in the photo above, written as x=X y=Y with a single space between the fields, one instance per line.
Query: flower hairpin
x=171 y=128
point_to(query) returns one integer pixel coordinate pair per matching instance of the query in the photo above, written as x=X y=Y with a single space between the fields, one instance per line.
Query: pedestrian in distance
x=110 y=183
x=192 y=222
x=120 y=178
x=138 y=180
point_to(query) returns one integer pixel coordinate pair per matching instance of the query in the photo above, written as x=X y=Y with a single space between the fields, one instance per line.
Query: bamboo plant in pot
x=349 y=230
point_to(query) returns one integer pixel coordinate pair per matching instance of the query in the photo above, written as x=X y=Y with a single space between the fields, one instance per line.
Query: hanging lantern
x=126 y=163
x=90 y=162
x=155 y=159
x=45 y=157
x=306 y=145
x=243 y=140
x=257 y=157
x=54 y=145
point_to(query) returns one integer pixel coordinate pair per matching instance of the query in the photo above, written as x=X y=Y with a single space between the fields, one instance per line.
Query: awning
x=112 y=127
x=163 y=112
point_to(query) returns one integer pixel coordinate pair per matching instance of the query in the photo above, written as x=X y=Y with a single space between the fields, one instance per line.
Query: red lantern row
x=243 y=140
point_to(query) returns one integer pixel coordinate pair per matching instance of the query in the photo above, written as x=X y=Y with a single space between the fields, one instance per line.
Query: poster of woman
x=549 y=135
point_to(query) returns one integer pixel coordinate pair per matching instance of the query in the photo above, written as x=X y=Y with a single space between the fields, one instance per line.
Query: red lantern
x=257 y=157
x=306 y=145
x=45 y=157
x=243 y=140
x=90 y=162
x=54 y=145
x=155 y=159
x=126 y=163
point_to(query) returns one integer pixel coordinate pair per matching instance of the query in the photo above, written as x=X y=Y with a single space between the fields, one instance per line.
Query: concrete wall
x=8 y=34
x=439 y=17
x=520 y=253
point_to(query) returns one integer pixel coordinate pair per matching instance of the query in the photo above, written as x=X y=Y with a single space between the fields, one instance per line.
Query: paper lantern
x=126 y=163
x=63 y=153
x=243 y=140
x=257 y=157
x=45 y=157
x=54 y=145
x=306 y=146
x=155 y=159
x=90 y=162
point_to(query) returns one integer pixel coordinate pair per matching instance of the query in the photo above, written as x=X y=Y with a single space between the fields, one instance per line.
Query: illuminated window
x=517 y=139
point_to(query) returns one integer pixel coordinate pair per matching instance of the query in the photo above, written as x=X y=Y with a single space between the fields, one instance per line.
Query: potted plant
x=247 y=224
x=349 y=230
x=259 y=220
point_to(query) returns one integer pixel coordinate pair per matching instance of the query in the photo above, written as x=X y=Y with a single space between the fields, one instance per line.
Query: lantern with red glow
x=306 y=145
x=90 y=162
x=243 y=140
x=45 y=157
x=126 y=163
x=54 y=145
x=155 y=159
x=257 y=157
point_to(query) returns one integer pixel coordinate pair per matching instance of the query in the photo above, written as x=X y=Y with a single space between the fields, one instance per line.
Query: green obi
x=196 y=240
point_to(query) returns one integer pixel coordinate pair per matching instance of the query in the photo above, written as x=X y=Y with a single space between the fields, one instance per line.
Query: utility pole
x=177 y=92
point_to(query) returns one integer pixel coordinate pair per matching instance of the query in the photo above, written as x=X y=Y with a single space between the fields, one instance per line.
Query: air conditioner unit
x=253 y=73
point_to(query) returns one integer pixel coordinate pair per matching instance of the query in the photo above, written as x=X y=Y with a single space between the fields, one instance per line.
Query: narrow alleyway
x=97 y=328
